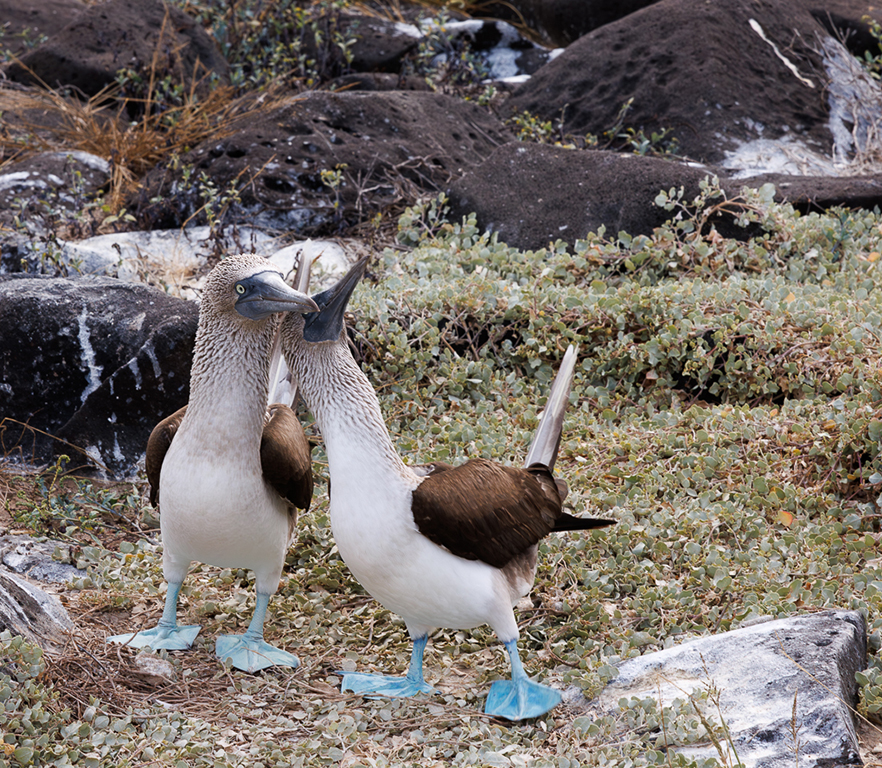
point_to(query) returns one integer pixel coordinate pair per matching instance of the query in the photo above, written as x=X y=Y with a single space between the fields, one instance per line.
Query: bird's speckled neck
x=229 y=379
x=345 y=405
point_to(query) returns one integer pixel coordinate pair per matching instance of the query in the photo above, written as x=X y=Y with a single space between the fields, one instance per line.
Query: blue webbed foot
x=520 y=699
x=383 y=685
x=167 y=634
x=172 y=638
x=251 y=654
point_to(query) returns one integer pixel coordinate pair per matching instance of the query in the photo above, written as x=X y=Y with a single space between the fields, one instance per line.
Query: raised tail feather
x=281 y=386
x=568 y=522
x=546 y=441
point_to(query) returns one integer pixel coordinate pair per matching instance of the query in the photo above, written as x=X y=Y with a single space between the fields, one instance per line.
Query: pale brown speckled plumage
x=223 y=469
x=227 y=341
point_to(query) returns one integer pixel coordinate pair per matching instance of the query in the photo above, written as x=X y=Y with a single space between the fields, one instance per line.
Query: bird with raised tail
x=228 y=471
x=441 y=546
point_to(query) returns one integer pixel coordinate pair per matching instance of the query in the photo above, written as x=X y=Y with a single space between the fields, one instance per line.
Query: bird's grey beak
x=266 y=293
x=327 y=323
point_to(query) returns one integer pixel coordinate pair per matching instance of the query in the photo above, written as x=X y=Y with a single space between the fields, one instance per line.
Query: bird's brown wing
x=485 y=511
x=286 y=456
x=157 y=446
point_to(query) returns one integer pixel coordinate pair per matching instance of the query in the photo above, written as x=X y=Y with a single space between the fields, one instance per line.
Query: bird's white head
x=253 y=288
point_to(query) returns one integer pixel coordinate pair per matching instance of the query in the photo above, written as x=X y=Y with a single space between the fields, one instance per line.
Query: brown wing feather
x=485 y=511
x=286 y=456
x=157 y=446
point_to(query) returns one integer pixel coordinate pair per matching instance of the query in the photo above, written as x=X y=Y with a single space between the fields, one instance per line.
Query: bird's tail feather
x=571 y=523
x=282 y=388
x=546 y=441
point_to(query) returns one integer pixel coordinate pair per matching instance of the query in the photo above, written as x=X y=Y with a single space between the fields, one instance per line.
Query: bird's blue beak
x=327 y=323
x=266 y=293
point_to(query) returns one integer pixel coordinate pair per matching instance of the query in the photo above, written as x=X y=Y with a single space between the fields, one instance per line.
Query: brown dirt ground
x=870 y=737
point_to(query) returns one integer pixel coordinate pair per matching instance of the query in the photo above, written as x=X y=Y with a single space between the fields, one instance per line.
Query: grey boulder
x=771 y=676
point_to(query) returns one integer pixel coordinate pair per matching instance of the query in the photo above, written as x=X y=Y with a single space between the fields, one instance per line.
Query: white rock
x=175 y=257
x=759 y=671
x=27 y=610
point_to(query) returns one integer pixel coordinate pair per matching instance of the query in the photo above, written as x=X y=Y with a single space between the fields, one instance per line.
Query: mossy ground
x=726 y=412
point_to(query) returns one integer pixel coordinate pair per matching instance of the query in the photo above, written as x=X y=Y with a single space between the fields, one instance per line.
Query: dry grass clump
x=89 y=668
x=100 y=126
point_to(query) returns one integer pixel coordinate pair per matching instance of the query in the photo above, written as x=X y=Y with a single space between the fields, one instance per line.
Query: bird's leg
x=167 y=634
x=519 y=698
x=383 y=685
x=415 y=668
x=248 y=651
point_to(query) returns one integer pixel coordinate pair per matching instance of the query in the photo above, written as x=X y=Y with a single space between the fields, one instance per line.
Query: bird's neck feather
x=229 y=379
x=347 y=410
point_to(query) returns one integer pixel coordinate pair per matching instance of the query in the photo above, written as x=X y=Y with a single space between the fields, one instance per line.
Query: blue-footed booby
x=441 y=546
x=229 y=471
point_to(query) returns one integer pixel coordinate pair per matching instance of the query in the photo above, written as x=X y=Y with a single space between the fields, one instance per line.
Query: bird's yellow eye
x=240 y=289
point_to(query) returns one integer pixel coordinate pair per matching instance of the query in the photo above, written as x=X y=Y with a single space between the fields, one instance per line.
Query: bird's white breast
x=217 y=509
x=371 y=514
x=425 y=584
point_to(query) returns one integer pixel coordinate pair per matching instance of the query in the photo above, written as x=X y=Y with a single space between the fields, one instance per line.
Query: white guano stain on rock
x=97 y=458
x=136 y=371
x=94 y=162
x=786 y=155
x=151 y=353
x=118 y=455
x=855 y=101
x=87 y=355
x=755 y=26
x=18 y=179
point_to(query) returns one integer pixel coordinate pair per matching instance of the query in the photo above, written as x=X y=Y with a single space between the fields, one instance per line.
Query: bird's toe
x=520 y=700
x=170 y=638
x=252 y=655
x=383 y=685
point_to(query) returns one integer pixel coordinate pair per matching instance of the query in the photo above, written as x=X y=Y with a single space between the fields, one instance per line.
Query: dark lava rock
x=88 y=367
x=379 y=45
x=702 y=69
x=533 y=194
x=848 y=21
x=38 y=192
x=384 y=144
x=340 y=43
x=378 y=81
x=107 y=37
x=813 y=193
x=24 y=24
x=498 y=46
x=560 y=22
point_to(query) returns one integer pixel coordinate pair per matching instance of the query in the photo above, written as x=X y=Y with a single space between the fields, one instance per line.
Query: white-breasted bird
x=230 y=471
x=442 y=546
